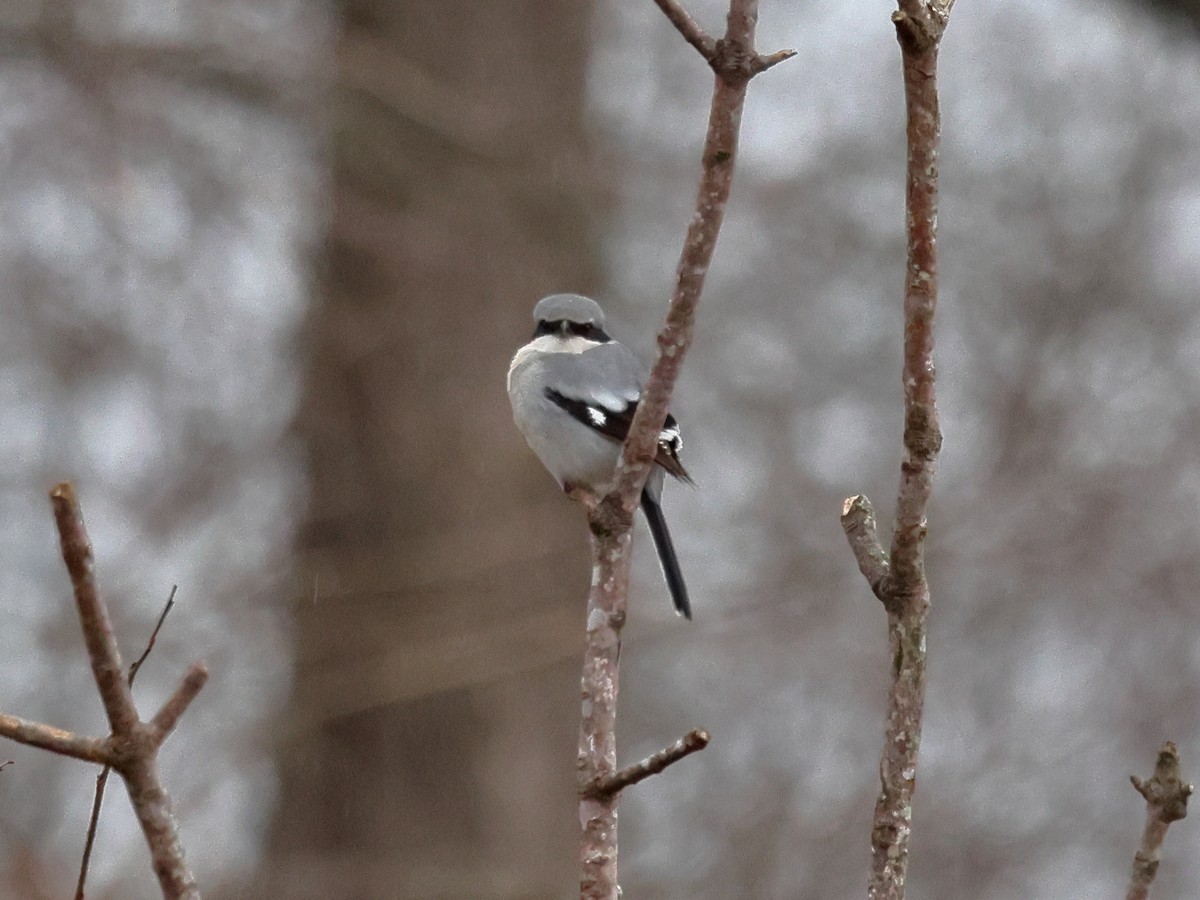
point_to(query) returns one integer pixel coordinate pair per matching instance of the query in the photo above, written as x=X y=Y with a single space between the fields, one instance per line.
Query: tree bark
x=436 y=562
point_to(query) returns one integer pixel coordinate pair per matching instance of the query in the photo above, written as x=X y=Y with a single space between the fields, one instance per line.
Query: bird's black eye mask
x=567 y=328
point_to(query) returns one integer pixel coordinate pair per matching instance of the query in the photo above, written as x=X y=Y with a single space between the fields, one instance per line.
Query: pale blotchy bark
x=1166 y=796
x=734 y=61
x=898 y=578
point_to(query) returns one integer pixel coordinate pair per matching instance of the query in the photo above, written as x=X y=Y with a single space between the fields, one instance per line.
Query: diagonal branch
x=98 y=634
x=898 y=578
x=162 y=618
x=735 y=62
x=688 y=27
x=168 y=716
x=611 y=785
x=1166 y=796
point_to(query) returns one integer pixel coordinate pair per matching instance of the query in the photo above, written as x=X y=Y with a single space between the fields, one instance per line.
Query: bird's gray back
x=608 y=376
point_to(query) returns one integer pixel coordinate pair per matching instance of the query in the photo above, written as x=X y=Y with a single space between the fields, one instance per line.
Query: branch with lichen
x=897 y=577
x=1166 y=795
x=734 y=61
x=131 y=748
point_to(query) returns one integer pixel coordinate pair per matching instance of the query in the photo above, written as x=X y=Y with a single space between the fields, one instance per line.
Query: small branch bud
x=1166 y=795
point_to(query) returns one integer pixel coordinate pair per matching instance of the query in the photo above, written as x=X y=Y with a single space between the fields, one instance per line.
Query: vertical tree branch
x=898 y=578
x=1166 y=796
x=734 y=62
x=598 y=728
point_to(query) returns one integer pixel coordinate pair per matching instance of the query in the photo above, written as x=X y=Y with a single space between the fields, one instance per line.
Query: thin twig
x=735 y=62
x=898 y=578
x=93 y=823
x=611 y=785
x=4 y=765
x=1166 y=796
x=102 y=778
x=132 y=747
x=162 y=617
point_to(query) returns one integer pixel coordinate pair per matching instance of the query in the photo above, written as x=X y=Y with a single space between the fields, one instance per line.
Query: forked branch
x=132 y=747
x=898 y=578
x=735 y=61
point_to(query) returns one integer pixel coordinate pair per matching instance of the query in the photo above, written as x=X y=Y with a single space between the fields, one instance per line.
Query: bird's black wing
x=614 y=423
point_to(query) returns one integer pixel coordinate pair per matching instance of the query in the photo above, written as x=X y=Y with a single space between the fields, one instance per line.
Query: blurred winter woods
x=262 y=267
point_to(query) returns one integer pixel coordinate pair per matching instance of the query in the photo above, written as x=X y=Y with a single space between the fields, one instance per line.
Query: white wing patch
x=610 y=400
x=597 y=416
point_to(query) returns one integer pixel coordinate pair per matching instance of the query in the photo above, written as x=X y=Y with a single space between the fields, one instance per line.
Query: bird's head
x=569 y=315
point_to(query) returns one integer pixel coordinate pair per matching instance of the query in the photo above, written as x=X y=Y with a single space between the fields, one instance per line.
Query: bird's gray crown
x=569 y=308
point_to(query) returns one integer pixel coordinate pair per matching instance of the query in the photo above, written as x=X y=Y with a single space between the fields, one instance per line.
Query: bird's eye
x=544 y=328
x=588 y=330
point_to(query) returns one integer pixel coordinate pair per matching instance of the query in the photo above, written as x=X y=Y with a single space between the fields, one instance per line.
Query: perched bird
x=574 y=391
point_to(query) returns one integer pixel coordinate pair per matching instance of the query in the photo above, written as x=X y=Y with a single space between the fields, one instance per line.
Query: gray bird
x=574 y=391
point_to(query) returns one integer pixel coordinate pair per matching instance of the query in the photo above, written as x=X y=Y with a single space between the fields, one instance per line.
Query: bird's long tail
x=666 y=555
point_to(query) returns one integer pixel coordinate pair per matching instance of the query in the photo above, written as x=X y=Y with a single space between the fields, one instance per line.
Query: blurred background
x=262 y=267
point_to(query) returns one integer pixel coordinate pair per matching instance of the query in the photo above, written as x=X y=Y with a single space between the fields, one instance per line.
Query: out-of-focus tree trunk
x=436 y=565
x=1189 y=9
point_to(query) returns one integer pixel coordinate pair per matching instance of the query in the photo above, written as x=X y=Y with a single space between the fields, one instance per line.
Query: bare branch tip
x=177 y=704
x=1165 y=792
x=197 y=675
x=64 y=491
x=858 y=523
x=762 y=62
x=859 y=504
x=920 y=23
